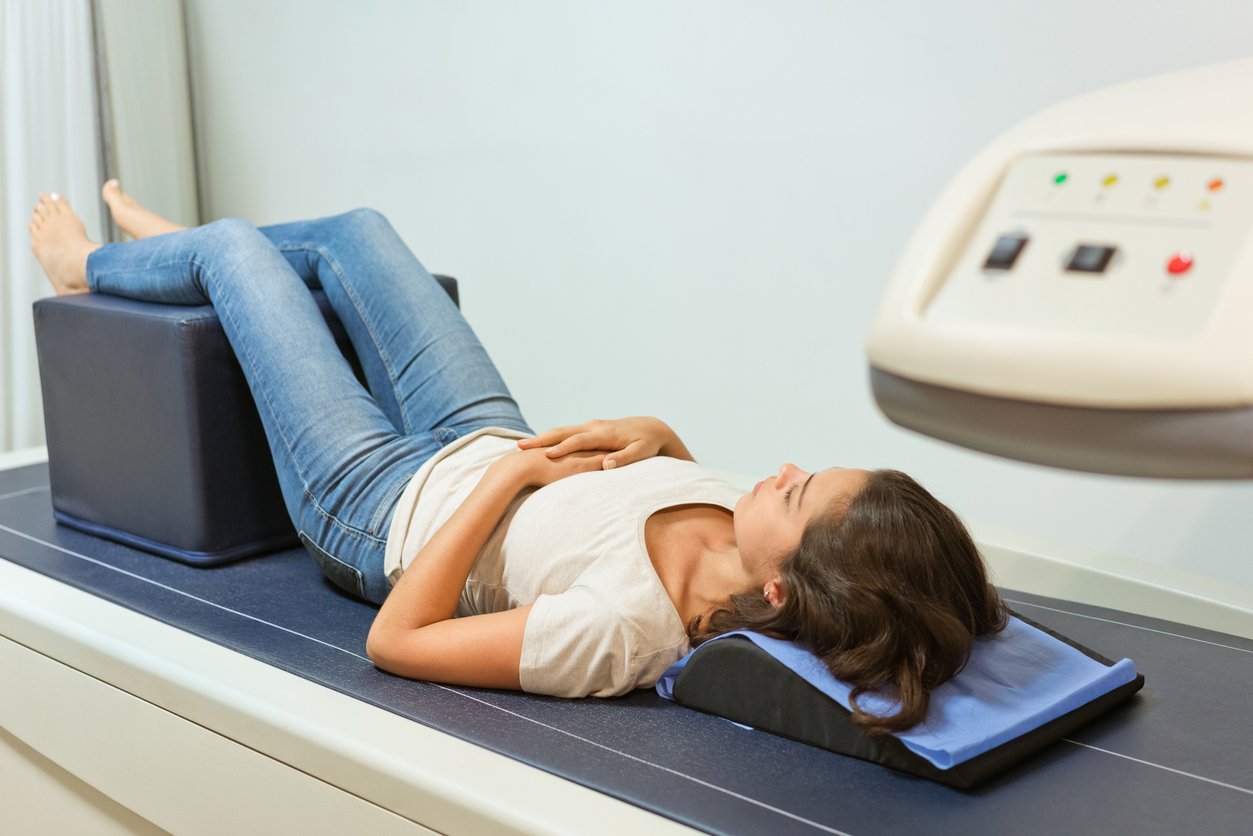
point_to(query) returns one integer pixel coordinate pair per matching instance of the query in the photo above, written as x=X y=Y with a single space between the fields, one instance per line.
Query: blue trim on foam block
x=1015 y=681
x=191 y=558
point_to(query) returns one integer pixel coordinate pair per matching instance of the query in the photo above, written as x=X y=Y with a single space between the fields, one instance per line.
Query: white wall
x=691 y=209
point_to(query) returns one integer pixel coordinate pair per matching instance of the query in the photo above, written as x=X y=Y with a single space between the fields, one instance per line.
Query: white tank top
x=602 y=624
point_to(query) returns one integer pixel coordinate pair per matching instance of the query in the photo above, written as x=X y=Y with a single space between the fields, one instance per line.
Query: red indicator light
x=1180 y=263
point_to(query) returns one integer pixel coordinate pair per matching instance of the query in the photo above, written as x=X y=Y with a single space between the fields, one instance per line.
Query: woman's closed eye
x=787 y=497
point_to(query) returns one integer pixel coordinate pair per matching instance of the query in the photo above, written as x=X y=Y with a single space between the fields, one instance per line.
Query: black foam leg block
x=153 y=438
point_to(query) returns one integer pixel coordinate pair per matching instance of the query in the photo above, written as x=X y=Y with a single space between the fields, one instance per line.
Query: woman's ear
x=773 y=590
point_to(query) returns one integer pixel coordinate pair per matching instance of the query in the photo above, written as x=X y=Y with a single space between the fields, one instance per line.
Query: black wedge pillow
x=1021 y=690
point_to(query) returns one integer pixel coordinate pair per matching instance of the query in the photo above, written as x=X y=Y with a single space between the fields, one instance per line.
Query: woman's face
x=770 y=519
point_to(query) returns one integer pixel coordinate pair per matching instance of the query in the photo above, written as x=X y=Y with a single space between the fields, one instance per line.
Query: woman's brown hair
x=887 y=589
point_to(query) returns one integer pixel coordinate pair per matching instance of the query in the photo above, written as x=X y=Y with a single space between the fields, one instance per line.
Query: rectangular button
x=1005 y=252
x=1090 y=258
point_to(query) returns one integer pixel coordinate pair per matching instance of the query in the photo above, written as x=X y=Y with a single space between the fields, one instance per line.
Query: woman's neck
x=693 y=551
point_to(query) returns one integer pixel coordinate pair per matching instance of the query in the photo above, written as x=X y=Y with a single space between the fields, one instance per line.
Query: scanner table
x=240 y=696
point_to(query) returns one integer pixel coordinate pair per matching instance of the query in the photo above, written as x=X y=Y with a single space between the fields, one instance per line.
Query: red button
x=1180 y=262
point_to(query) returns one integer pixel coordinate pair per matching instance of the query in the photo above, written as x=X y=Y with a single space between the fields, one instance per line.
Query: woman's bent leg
x=426 y=368
x=340 y=462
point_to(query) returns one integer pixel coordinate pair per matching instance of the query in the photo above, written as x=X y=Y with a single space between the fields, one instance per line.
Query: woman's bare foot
x=59 y=240
x=132 y=217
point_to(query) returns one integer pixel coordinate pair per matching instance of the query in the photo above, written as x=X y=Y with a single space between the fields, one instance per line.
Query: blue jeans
x=343 y=454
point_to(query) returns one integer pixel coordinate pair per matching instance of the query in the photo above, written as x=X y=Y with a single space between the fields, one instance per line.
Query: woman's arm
x=624 y=440
x=415 y=634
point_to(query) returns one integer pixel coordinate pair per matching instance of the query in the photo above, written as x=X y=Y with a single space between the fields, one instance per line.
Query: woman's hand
x=622 y=441
x=536 y=467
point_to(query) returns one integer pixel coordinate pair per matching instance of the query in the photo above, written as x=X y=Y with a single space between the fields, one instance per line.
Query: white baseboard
x=25 y=456
x=1117 y=582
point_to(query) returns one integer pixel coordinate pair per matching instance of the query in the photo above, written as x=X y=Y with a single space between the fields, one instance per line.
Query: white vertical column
x=48 y=143
x=150 y=104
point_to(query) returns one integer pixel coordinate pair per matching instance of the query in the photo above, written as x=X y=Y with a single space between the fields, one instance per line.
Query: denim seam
x=304 y=482
x=357 y=574
x=340 y=561
x=278 y=426
x=345 y=527
x=96 y=274
x=392 y=493
x=325 y=255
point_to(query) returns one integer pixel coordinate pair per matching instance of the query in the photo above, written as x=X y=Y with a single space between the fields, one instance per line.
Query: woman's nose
x=789 y=472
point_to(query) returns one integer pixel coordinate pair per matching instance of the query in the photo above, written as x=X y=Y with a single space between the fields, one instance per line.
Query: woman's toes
x=131 y=216
x=48 y=205
x=59 y=241
x=114 y=195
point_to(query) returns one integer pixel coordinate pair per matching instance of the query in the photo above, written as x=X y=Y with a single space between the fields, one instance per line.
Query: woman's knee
x=366 y=217
x=227 y=228
x=229 y=236
x=229 y=247
x=362 y=224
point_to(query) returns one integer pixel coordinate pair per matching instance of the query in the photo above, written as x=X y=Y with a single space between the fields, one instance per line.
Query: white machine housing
x=1115 y=332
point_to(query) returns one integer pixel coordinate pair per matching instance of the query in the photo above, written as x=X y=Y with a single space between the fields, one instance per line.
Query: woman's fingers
x=589 y=440
x=554 y=469
x=633 y=452
x=558 y=434
x=623 y=441
x=547 y=438
x=636 y=451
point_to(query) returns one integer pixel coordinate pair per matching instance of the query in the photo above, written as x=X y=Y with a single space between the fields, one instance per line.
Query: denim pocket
x=340 y=573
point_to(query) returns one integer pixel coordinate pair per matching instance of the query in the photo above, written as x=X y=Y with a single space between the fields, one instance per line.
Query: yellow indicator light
x=1161 y=182
x=1204 y=206
x=1110 y=180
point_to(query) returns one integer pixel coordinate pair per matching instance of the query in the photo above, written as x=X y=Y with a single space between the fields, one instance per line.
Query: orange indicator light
x=1216 y=184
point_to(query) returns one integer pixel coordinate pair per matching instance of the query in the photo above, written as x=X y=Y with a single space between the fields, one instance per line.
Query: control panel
x=1137 y=244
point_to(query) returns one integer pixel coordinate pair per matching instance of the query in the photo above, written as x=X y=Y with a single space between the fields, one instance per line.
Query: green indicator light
x=1060 y=178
